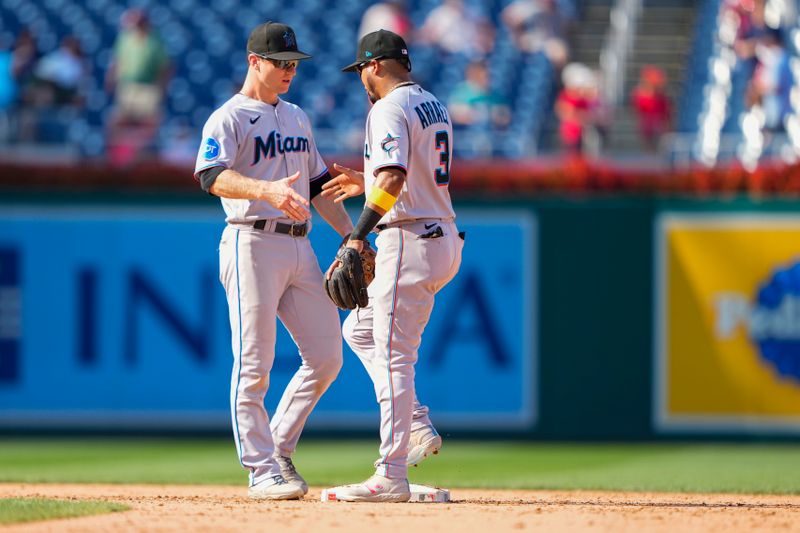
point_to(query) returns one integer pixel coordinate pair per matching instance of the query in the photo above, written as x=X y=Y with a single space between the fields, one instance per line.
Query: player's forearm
x=334 y=214
x=382 y=197
x=391 y=182
x=231 y=184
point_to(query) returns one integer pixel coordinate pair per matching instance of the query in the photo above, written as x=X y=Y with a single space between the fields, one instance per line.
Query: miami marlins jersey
x=409 y=128
x=261 y=141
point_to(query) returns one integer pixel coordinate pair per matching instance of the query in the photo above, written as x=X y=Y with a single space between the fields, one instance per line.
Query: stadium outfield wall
x=572 y=318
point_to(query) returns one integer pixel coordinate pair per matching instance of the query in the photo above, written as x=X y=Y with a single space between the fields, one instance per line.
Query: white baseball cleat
x=290 y=474
x=276 y=488
x=375 y=489
x=422 y=443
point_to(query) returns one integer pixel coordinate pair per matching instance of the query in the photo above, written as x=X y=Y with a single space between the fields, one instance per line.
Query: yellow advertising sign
x=727 y=322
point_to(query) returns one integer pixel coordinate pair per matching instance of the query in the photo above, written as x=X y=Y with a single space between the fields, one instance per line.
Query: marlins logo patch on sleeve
x=211 y=149
x=390 y=144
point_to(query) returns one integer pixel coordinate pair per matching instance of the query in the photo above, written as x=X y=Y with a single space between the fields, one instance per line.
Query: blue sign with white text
x=116 y=318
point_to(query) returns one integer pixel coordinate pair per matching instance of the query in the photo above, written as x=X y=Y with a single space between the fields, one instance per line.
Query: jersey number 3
x=442 y=173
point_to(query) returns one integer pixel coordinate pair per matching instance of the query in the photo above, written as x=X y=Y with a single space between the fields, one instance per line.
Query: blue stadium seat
x=206 y=44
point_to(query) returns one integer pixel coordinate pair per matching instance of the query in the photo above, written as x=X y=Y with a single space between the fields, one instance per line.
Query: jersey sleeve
x=219 y=145
x=388 y=140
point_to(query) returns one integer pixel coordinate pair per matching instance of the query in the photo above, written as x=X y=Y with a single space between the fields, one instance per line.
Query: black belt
x=294 y=230
x=434 y=234
x=397 y=224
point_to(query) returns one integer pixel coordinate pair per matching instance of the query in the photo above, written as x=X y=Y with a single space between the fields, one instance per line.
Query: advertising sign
x=727 y=323
x=116 y=318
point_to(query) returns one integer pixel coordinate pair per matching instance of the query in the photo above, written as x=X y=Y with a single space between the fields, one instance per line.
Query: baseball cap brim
x=289 y=55
x=352 y=66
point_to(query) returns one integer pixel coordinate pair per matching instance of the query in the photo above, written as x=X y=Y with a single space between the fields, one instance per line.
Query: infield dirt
x=224 y=508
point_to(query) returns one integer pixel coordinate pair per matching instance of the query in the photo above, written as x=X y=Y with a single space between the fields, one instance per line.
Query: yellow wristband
x=381 y=198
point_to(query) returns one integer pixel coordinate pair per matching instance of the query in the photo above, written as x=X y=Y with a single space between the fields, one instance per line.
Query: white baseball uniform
x=267 y=273
x=419 y=252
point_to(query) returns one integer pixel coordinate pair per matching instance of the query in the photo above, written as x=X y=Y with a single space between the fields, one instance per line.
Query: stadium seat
x=209 y=66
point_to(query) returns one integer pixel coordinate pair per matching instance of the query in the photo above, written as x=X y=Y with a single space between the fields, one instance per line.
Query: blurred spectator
x=8 y=85
x=580 y=110
x=751 y=26
x=739 y=11
x=538 y=26
x=25 y=56
x=772 y=81
x=139 y=73
x=753 y=18
x=54 y=95
x=18 y=81
x=652 y=105
x=8 y=90
x=389 y=15
x=60 y=75
x=473 y=103
x=455 y=30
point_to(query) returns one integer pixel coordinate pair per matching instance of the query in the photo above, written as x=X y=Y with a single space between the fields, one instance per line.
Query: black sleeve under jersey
x=366 y=222
x=208 y=176
x=315 y=187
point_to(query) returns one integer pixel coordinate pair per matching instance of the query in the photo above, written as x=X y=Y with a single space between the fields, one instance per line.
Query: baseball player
x=258 y=154
x=406 y=175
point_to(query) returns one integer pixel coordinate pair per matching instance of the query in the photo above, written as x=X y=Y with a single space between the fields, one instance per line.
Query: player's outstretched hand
x=346 y=185
x=280 y=195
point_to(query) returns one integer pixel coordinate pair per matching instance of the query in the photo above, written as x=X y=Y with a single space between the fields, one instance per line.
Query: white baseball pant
x=266 y=275
x=386 y=335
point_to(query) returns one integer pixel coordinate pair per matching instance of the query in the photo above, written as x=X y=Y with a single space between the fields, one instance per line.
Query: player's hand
x=348 y=184
x=279 y=194
x=358 y=245
x=331 y=268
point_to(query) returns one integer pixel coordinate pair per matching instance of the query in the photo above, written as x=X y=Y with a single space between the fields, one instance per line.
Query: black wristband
x=315 y=187
x=368 y=220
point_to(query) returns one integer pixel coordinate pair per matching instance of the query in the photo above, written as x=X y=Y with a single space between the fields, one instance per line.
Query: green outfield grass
x=15 y=510
x=736 y=468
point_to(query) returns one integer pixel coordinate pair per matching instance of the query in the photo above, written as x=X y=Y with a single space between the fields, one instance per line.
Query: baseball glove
x=368 y=263
x=347 y=286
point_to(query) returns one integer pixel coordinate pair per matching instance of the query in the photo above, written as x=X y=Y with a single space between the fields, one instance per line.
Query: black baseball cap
x=274 y=40
x=381 y=44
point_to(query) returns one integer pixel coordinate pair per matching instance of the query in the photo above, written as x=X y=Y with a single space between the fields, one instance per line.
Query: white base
x=423 y=493
x=419 y=494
